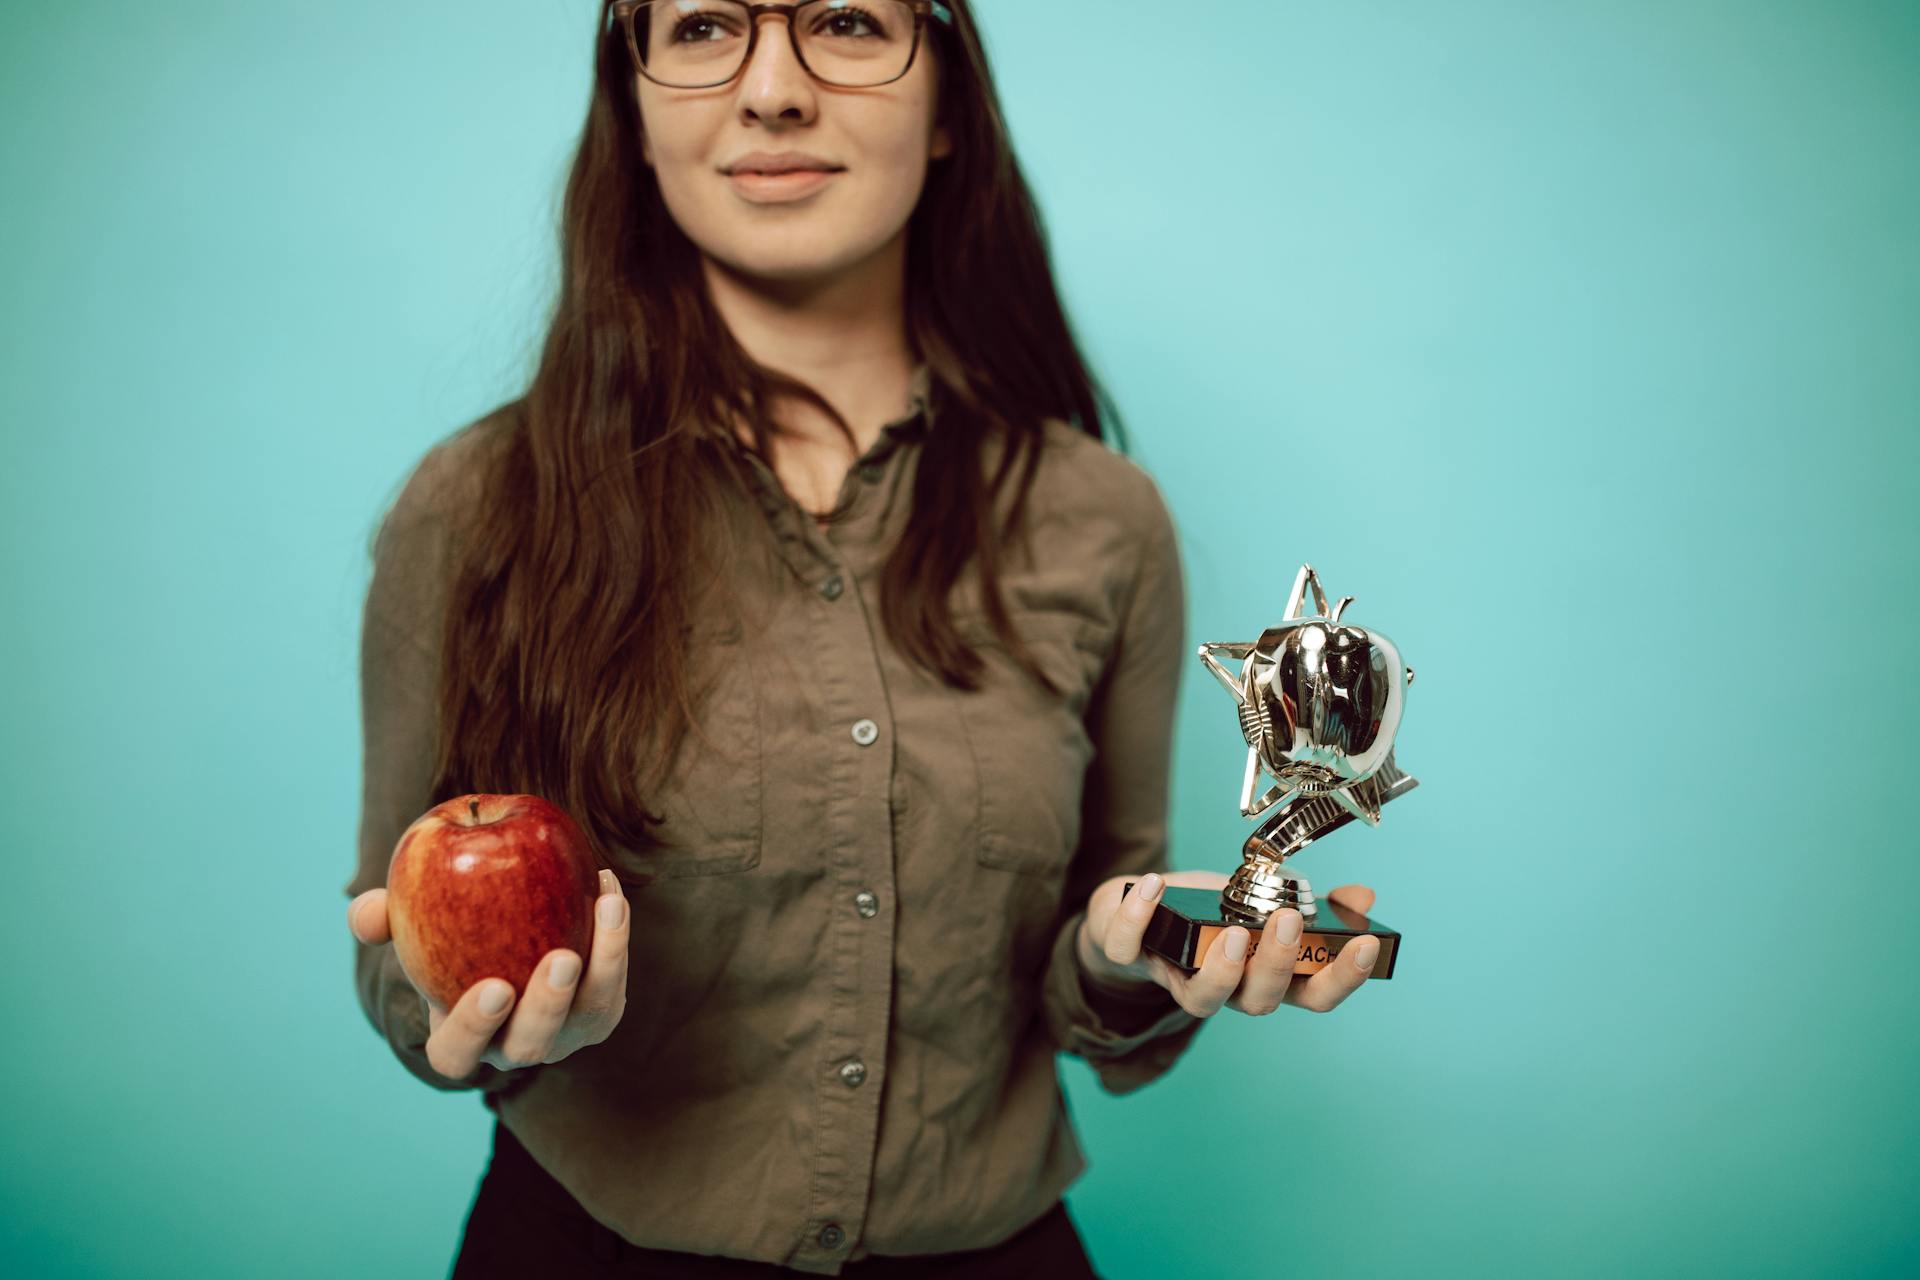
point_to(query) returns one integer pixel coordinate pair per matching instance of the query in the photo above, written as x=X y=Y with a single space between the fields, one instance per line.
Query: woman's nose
x=773 y=83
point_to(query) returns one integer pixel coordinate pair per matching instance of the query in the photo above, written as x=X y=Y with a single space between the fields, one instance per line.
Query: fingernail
x=494 y=998
x=1289 y=927
x=562 y=972
x=1150 y=884
x=1236 y=943
x=612 y=911
x=1365 y=952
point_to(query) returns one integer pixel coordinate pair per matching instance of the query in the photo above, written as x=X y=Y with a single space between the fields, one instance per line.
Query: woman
x=801 y=576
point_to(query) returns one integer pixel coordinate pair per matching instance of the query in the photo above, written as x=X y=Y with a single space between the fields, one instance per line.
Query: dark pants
x=524 y=1223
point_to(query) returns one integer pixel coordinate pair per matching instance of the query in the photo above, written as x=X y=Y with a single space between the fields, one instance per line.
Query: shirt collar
x=919 y=414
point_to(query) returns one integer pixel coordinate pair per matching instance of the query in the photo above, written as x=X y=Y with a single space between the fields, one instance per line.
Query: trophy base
x=1187 y=922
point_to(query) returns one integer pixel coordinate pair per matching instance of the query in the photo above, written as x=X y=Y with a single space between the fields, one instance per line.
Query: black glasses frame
x=621 y=12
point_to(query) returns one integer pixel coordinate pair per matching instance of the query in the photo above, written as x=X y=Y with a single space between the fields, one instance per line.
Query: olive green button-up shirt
x=848 y=981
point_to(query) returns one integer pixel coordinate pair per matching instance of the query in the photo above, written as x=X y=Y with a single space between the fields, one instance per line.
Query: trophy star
x=1362 y=805
x=1269 y=717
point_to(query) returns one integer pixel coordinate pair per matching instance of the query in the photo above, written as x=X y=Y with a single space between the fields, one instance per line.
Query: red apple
x=483 y=886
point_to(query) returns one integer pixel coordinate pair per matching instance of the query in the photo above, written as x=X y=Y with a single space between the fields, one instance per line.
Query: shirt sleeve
x=399 y=671
x=1132 y=1036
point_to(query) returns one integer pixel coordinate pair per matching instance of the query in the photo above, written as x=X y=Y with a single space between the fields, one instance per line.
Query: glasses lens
x=692 y=42
x=855 y=42
x=695 y=43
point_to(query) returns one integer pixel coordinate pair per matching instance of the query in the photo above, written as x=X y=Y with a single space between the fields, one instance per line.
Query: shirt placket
x=835 y=567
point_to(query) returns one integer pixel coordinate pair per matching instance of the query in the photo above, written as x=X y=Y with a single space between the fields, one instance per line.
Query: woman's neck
x=845 y=337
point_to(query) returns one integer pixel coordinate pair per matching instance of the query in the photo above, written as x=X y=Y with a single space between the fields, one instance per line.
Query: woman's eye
x=849 y=22
x=702 y=26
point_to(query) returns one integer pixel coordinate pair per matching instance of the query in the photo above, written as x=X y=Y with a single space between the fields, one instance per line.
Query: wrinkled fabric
x=858 y=864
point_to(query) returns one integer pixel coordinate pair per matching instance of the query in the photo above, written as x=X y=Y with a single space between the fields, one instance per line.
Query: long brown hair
x=564 y=667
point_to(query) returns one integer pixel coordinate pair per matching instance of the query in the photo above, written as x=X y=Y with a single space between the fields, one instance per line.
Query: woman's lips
x=772 y=188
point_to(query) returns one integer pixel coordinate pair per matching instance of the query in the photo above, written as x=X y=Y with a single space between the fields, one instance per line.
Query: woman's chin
x=794 y=268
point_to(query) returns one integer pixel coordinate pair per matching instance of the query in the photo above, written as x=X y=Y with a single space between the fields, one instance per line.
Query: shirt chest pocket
x=711 y=808
x=1030 y=748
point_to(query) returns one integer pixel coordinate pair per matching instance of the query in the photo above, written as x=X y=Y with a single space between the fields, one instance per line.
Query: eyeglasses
x=698 y=44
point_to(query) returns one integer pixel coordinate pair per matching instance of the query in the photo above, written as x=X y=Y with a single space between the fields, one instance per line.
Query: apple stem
x=473 y=806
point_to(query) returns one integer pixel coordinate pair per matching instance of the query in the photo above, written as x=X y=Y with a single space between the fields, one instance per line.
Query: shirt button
x=866 y=904
x=853 y=1073
x=832 y=587
x=865 y=731
x=870 y=472
x=831 y=1235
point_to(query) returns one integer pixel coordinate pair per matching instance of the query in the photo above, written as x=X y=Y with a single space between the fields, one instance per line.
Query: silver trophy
x=1319 y=703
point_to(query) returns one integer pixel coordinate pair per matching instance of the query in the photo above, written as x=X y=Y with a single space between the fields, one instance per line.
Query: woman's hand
x=560 y=1012
x=1110 y=948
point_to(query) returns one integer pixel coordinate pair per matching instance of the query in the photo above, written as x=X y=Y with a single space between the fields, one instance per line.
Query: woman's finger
x=535 y=1025
x=602 y=997
x=1161 y=970
x=1128 y=929
x=1270 y=971
x=455 y=1045
x=1354 y=897
x=1219 y=974
x=367 y=917
x=1336 y=981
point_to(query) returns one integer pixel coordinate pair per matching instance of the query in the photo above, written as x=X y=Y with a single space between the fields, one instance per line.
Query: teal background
x=1577 y=341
